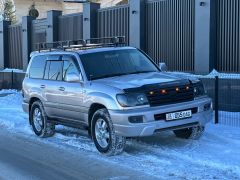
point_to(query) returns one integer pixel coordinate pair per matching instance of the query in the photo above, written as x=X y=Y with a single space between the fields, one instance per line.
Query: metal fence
x=70 y=27
x=228 y=35
x=11 y=80
x=39 y=28
x=15 y=47
x=113 y=21
x=170 y=33
x=225 y=94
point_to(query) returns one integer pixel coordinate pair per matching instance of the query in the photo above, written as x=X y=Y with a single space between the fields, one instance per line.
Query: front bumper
x=25 y=107
x=149 y=126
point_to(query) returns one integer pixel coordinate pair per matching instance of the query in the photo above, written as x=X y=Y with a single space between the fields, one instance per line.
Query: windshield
x=116 y=63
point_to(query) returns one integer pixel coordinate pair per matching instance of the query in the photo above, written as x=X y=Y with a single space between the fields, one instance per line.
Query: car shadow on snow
x=164 y=140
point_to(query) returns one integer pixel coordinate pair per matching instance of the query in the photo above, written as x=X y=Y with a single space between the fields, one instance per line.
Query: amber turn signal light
x=164 y=91
x=151 y=92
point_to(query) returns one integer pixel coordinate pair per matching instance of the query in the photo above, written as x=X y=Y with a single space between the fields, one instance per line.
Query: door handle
x=61 y=89
x=42 y=86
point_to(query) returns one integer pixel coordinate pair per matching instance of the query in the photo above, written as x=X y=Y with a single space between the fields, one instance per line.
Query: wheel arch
x=93 y=108
x=31 y=101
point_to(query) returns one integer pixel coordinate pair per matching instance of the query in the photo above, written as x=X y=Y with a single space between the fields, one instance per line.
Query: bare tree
x=8 y=12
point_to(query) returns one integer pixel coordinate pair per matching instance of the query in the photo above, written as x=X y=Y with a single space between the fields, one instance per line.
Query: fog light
x=207 y=107
x=135 y=119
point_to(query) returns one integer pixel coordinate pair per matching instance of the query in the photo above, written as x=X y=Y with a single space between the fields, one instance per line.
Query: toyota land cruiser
x=113 y=90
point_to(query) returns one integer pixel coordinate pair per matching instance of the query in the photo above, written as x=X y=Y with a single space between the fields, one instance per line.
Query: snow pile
x=8 y=91
x=215 y=156
x=13 y=70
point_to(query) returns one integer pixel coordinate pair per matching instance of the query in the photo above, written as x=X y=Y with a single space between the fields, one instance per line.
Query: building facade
x=22 y=6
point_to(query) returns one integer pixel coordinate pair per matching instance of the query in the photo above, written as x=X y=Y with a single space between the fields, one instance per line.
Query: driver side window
x=69 y=67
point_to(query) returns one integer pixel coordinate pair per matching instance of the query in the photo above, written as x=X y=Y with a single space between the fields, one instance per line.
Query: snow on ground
x=215 y=156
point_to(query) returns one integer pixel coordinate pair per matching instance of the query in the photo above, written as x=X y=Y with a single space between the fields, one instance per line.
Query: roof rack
x=82 y=44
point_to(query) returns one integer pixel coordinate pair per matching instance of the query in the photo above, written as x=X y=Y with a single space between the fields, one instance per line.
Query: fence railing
x=224 y=92
x=11 y=80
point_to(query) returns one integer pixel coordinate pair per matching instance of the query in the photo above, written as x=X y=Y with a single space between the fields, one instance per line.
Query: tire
x=39 y=121
x=104 y=136
x=190 y=133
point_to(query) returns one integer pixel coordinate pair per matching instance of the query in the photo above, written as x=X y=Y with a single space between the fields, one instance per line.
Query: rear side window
x=55 y=70
x=36 y=70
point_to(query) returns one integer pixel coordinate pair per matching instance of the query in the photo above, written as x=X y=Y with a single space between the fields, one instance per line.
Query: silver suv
x=115 y=92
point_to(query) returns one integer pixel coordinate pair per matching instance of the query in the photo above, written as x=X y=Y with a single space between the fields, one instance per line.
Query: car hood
x=138 y=80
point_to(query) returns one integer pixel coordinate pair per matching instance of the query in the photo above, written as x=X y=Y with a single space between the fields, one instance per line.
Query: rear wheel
x=39 y=121
x=104 y=136
x=190 y=133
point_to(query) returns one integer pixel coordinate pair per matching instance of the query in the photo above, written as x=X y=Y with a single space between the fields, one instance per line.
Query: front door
x=71 y=95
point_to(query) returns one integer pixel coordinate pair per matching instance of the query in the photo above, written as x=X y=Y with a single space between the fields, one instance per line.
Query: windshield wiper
x=121 y=74
x=139 y=72
x=110 y=75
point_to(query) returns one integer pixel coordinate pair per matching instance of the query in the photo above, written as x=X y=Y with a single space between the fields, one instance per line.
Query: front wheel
x=104 y=136
x=190 y=133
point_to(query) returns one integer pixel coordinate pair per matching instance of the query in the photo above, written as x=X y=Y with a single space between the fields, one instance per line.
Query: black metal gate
x=113 y=21
x=15 y=47
x=39 y=28
x=170 y=33
x=228 y=35
x=70 y=27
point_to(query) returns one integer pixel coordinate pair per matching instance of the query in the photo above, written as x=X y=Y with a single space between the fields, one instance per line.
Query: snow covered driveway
x=215 y=156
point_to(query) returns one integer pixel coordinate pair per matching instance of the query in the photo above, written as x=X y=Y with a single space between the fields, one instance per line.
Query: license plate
x=178 y=115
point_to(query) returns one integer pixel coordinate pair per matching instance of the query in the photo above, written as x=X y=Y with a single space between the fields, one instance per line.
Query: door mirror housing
x=72 y=77
x=163 y=67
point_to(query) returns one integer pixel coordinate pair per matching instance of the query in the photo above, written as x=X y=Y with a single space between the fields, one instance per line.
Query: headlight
x=132 y=99
x=199 y=89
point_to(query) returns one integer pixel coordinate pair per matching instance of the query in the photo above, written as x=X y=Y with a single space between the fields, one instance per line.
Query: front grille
x=162 y=116
x=170 y=96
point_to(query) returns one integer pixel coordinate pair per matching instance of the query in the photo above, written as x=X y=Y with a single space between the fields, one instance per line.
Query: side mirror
x=72 y=77
x=163 y=67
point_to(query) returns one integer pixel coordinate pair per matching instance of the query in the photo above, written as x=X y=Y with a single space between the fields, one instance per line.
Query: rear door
x=52 y=81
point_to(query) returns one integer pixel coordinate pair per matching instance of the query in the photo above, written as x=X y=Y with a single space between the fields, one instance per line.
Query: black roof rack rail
x=82 y=44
